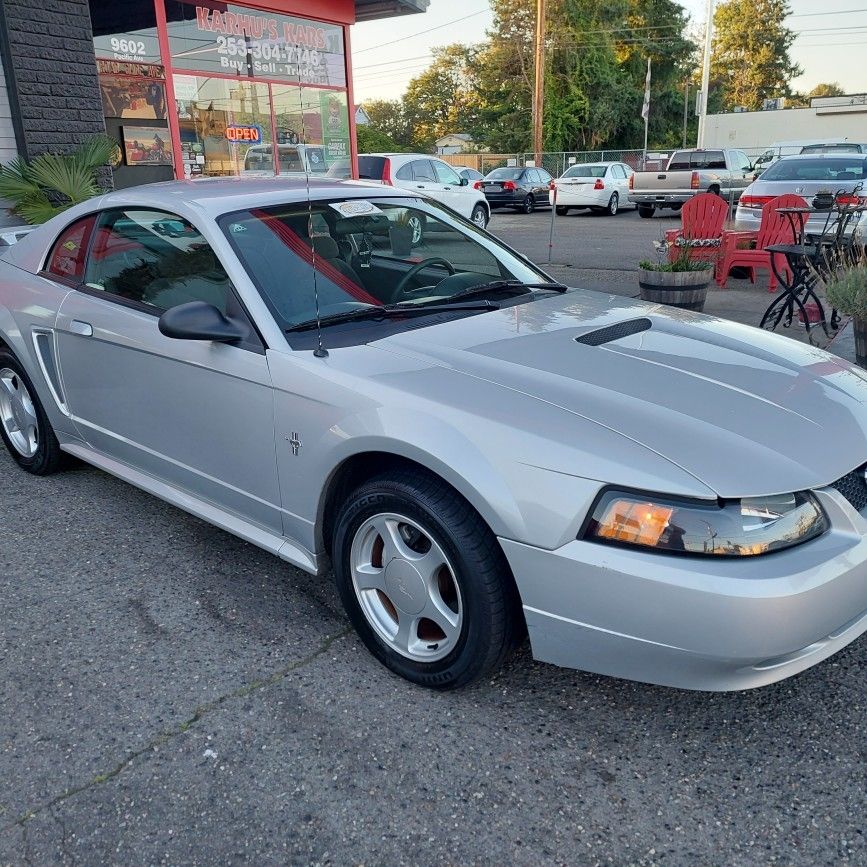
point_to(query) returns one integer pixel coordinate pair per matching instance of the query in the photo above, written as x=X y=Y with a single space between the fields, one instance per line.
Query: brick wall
x=52 y=67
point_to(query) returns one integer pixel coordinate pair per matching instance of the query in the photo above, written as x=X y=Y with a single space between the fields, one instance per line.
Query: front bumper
x=697 y=623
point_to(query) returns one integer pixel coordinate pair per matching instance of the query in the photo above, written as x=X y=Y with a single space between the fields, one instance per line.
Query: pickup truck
x=724 y=172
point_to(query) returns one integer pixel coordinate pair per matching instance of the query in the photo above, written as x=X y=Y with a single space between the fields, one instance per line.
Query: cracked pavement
x=171 y=694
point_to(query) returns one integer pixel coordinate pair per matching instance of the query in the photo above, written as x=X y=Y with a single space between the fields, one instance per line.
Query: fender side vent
x=44 y=343
x=614 y=332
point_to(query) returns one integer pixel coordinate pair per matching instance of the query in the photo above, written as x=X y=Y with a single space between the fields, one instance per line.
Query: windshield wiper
x=389 y=311
x=501 y=286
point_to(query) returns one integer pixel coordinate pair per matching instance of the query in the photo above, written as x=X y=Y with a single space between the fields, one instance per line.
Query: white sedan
x=602 y=187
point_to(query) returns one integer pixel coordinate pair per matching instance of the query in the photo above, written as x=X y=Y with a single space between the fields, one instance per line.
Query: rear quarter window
x=68 y=253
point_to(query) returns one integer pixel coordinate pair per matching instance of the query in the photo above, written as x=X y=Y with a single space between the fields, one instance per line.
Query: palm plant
x=51 y=183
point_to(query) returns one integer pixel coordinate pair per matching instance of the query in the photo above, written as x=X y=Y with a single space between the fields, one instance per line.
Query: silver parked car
x=477 y=451
x=806 y=175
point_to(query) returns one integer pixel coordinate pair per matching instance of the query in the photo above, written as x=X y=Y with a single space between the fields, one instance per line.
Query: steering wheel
x=400 y=289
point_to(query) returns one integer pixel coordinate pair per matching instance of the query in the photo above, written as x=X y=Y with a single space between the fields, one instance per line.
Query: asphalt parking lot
x=173 y=695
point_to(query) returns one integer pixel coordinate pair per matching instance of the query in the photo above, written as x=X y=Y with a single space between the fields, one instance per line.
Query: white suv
x=430 y=176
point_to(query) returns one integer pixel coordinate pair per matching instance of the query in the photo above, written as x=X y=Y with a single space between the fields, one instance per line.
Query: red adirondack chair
x=702 y=219
x=775 y=228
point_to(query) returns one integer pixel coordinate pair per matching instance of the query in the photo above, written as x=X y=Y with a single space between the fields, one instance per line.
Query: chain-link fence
x=555 y=163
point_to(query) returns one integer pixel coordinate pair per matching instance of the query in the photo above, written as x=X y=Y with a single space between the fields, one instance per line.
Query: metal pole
x=539 y=91
x=705 y=74
x=685 y=110
x=551 y=230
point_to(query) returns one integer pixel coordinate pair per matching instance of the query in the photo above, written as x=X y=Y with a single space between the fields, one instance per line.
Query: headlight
x=729 y=528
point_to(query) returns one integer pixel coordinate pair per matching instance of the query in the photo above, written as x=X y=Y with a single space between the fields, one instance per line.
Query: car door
x=197 y=415
x=617 y=178
x=459 y=196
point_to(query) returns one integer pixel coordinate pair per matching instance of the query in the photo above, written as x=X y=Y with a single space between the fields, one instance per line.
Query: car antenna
x=320 y=351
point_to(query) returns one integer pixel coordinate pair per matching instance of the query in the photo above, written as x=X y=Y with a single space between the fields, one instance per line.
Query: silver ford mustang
x=347 y=374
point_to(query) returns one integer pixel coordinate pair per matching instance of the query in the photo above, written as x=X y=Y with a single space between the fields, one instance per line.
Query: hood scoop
x=614 y=332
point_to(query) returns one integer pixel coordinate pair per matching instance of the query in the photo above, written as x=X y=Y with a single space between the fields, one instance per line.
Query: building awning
x=370 y=10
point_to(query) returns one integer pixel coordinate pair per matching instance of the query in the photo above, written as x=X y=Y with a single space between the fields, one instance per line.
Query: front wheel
x=646 y=211
x=24 y=426
x=479 y=216
x=424 y=581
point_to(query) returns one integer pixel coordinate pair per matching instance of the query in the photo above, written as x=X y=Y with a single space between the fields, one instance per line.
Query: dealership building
x=188 y=88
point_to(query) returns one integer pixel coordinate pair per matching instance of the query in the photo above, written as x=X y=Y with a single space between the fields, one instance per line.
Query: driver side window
x=446 y=174
x=156 y=259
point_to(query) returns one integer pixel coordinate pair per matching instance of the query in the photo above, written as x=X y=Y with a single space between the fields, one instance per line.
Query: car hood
x=746 y=412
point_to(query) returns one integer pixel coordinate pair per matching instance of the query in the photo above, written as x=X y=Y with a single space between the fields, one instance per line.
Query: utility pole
x=685 y=111
x=705 y=74
x=539 y=91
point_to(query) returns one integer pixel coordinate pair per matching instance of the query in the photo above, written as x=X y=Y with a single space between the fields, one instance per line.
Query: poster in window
x=334 y=116
x=132 y=97
x=147 y=145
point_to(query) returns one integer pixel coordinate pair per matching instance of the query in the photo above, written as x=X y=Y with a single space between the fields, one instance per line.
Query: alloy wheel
x=479 y=217
x=18 y=414
x=406 y=587
x=613 y=204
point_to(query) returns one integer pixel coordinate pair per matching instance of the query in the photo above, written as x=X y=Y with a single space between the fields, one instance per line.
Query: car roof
x=838 y=155
x=210 y=197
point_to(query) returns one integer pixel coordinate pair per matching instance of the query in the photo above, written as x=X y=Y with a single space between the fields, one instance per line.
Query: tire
x=613 y=205
x=714 y=191
x=480 y=216
x=646 y=211
x=562 y=210
x=24 y=426
x=417 y=223
x=473 y=584
x=528 y=205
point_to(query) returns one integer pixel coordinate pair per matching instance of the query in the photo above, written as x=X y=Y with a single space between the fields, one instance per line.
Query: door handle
x=420 y=186
x=85 y=329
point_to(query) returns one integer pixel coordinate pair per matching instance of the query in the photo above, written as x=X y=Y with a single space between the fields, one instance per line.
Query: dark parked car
x=524 y=189
x=470 y=174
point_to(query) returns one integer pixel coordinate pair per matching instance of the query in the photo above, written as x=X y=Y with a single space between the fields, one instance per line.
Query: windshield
x=829 y=169
x=362 y=252
x=504 y=175
x=585 y=172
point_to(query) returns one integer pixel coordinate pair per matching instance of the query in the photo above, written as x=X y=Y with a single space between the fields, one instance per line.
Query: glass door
x=225 y=126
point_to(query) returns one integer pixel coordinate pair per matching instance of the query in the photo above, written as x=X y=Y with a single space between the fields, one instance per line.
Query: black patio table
x=811 y=259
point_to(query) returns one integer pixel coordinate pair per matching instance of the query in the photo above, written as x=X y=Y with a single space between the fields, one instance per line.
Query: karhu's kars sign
x=227 y=38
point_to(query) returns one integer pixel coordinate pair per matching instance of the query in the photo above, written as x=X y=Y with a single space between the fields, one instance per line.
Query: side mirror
x=464 y=181
x=197 y=320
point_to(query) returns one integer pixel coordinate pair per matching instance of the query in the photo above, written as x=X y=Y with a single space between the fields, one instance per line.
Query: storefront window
x=125 y=31
x=313 y=116
x=235 y=40
x=225 y=126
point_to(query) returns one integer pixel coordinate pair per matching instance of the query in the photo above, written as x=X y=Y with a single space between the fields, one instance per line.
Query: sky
x=387 y=54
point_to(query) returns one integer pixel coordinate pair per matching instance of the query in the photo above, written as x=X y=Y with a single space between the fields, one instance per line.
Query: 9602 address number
x=127 y=46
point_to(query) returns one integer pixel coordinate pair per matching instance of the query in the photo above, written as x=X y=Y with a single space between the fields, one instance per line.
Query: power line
x=422 y=32
x=841 y=12
x=392 y=62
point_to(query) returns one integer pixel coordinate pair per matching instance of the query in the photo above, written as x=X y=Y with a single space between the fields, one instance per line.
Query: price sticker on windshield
x=355 y=208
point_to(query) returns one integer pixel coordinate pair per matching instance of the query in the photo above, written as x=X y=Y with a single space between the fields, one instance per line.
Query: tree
x=654 y=29
x=388 y=117
x=444 y=98
x=372 y=140
x=750 y=61
x=505 y=76
x=826 y=89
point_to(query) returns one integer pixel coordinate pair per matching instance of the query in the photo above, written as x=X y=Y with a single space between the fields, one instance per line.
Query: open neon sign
x=248 y=134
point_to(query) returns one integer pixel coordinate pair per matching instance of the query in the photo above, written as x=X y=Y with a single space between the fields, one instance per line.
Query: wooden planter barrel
x=684 y=289
x=859 y=327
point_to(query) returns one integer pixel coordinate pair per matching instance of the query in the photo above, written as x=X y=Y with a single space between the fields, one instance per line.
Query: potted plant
x=847 y=291
x=400 y=234
x=50 y=183
x=682 y=283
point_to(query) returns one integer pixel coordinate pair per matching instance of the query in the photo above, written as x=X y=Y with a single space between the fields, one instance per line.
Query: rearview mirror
x=197 y=320
x=464 y=182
